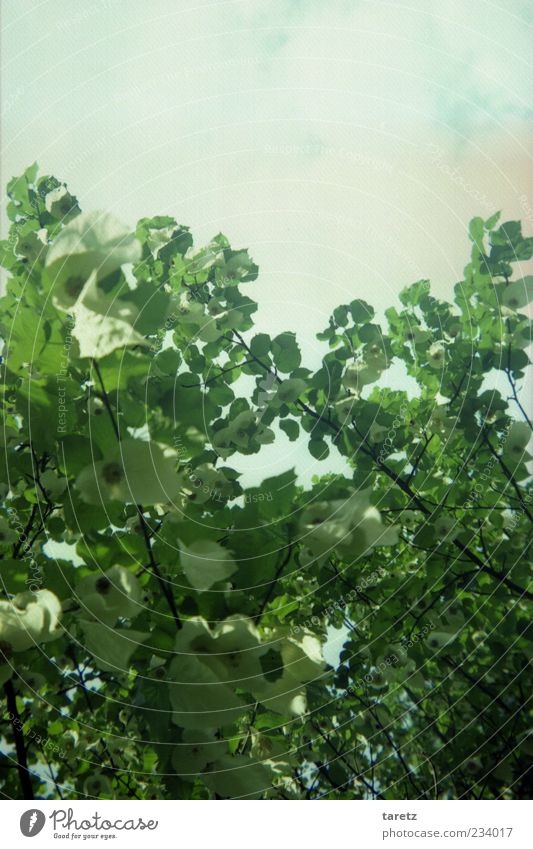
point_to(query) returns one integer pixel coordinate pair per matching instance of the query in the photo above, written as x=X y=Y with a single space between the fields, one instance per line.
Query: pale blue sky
x=346 y=143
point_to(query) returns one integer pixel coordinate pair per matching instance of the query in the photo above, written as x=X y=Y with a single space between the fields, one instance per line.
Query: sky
x=347 y=143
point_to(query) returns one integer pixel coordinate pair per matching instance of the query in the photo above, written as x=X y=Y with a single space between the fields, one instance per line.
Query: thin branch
x=340 y=756
x=508 y=475
x=457 y=389
x=401 y=483
x=20 y=745
x=52 y=773
x=105 y=399
x=516 y=399
x=163 y=583
x=274 y=581
x=406 y=768
x=418 y=460
x=24 y=535
x=225 y=370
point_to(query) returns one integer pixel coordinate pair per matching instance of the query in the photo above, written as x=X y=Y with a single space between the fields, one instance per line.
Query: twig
x=105 y=399
x=401 y=483
x=163 y=584
x=20 y=745
x=275 y=579
x=509 y=476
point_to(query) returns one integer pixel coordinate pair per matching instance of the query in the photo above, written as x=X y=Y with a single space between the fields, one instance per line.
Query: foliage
x=162 y=629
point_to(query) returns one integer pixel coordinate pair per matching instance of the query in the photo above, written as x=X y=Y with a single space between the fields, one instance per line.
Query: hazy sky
x=346 y=143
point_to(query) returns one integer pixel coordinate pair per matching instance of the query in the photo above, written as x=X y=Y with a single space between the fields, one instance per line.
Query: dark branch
x=20 y=745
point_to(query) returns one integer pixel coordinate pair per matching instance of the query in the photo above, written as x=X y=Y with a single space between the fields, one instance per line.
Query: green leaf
x=286 y=352
x=291 y=428
x=318 y=449
x=260 y=345
x=361 y=311
x=476 y=232
x=413 y=294
x=491 y=222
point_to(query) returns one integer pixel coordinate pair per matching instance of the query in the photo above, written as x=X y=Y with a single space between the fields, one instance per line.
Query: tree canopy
x=162 y=627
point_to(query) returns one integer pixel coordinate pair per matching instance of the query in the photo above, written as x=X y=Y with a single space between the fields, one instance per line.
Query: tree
x=162 y=628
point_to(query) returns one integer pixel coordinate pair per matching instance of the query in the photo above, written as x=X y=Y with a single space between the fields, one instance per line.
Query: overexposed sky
x=345 y=142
